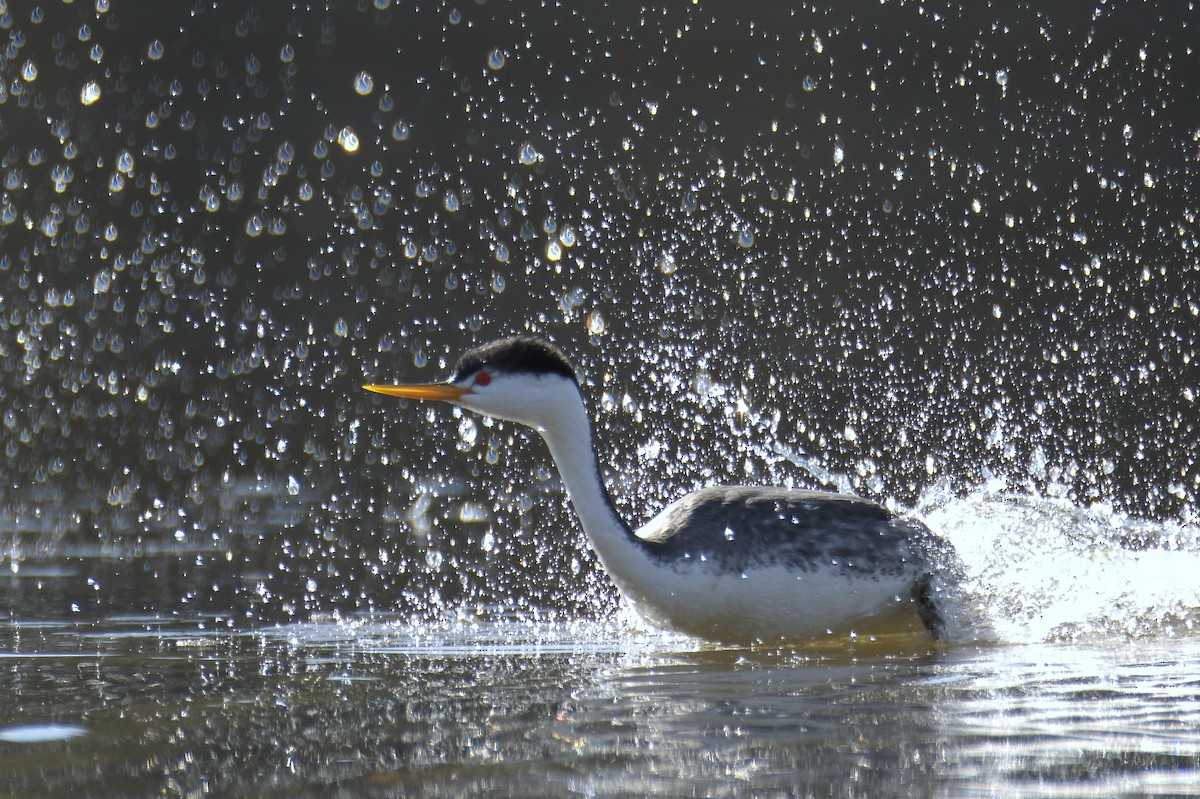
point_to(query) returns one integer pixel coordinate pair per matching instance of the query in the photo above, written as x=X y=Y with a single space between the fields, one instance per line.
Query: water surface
x=1058 y=695
x=163 y=706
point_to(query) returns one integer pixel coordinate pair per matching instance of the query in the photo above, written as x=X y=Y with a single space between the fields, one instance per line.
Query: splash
x=1040 y=569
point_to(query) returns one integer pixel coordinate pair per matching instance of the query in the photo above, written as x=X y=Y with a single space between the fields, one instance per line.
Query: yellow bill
x=427 y=391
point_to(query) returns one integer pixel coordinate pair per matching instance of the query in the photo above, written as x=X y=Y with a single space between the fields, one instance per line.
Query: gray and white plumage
x=749 y=563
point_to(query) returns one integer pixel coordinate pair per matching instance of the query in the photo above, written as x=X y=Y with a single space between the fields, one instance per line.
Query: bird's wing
x=750 y=527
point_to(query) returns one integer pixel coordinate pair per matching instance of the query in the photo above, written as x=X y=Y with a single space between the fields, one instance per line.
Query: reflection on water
x=584 y=708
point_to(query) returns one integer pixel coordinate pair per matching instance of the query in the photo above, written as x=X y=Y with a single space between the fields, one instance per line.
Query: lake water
x=1096 y=695
x=150 y=706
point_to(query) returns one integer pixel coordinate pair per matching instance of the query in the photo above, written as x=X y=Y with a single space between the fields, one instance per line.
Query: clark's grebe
x=724 y=563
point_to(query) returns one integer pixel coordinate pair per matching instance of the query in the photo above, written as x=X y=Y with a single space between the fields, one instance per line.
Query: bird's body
x=799 y=563
x=724 y=563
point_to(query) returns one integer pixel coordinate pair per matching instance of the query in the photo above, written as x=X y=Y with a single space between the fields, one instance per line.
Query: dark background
x=925 y=246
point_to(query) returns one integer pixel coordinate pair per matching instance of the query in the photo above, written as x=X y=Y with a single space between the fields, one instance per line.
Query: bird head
x=522 y=379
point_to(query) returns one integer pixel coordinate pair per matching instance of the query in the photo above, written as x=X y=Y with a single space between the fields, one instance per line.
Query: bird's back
x=740 y=529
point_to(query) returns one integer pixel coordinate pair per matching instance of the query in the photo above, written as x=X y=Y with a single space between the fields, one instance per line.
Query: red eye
x=482 y=379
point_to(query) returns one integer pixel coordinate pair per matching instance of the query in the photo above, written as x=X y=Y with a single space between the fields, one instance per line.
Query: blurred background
x=896 y=248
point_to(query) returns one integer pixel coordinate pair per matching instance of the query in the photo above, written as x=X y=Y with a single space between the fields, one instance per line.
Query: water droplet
x=468 y=432
x=745 y=237
x=90 y=92
x=401 y=131
x=364 y=84
x=155 y=50
x=596 y=323
x=348 y=139
x=808 y=84
x=340 y=328
x=528 y=155
x=498 y=282
x=125 y=162
x=553 y=251
x=729 y=534
x=287 y=54
x=29 y=72
x=666 y=263
x=496 y=59
x=839 y=154
x=502 y=253
x=1002 y=77
x=293 y=486
x=567 y=236
x=450 y=202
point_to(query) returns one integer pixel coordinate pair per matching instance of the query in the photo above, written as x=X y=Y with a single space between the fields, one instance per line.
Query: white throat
x=553 y=405
x=567 y=431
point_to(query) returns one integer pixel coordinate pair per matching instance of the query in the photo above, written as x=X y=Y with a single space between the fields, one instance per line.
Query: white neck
x=568 y=434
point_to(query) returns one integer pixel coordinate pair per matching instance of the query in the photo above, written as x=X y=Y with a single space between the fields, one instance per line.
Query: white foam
x=1039 y=568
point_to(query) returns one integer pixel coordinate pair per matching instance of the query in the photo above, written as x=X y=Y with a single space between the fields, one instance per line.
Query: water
x=938 y=255
x=150 y=706
x=113 y=683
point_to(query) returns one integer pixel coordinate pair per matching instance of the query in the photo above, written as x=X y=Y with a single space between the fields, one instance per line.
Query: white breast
x=772 y=603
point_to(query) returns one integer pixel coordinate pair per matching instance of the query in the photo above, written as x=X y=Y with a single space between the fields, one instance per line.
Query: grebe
x=730 y=564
